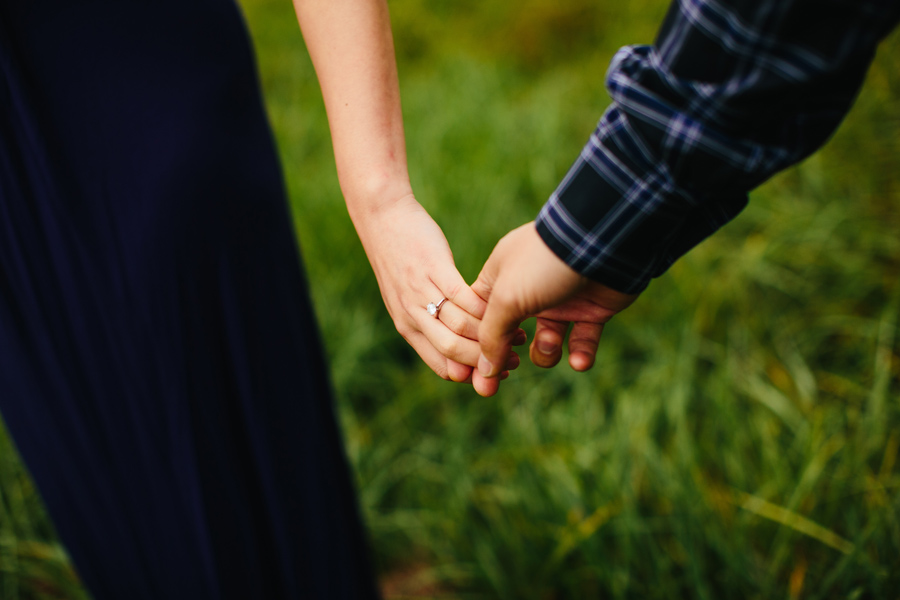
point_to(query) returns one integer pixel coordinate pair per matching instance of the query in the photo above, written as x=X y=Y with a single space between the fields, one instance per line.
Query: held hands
x=524 y=278
x=478 y=326
x=352 y=50
x=414 y=265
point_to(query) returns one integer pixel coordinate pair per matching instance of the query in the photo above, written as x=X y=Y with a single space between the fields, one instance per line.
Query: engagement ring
x=433 y=309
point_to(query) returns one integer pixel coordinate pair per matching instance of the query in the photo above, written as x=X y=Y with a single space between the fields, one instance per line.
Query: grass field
x=739 y=435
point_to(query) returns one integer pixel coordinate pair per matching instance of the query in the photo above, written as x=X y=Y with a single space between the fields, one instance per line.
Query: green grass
x=739 y=435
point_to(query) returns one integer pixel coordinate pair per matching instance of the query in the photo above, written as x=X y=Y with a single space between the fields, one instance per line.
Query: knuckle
x=453 y=291
x=448 y=347
x=442 y=372
x=456 y=324
x=505 y=298
x=404 y=330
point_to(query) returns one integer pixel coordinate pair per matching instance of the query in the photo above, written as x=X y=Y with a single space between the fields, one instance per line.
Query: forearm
x=353 y=53
x=732 y=92
x=352 y=50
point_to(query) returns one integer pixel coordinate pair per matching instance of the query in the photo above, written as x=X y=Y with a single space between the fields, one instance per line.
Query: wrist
x=379 y=213
x=369 y=197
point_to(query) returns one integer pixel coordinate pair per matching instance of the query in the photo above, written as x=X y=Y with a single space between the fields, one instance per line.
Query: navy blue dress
x=160 y=368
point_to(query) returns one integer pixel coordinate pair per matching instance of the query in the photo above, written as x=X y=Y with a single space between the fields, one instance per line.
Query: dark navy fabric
x=160 y=368
x=731 y=92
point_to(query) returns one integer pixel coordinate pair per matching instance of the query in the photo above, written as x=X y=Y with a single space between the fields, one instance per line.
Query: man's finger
x=487 y=386
x=520 y=278
x=546 y=348
x=583 y=342
x=483 y=284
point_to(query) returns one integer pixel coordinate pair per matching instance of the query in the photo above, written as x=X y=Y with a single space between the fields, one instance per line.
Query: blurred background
x=739 y=434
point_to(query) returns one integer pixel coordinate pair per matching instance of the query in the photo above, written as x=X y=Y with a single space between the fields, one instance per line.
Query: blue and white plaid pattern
x=730 y=93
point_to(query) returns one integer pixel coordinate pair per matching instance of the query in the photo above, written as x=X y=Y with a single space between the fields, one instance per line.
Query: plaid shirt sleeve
x=730 y=93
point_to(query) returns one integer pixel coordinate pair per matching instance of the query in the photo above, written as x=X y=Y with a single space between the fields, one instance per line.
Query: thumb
x=497 y=332
x=521 y=277
x=499 y=326
x=485 y=281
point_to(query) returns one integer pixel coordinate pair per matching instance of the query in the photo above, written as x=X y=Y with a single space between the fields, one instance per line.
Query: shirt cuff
x=622 y=222
x=602 y=219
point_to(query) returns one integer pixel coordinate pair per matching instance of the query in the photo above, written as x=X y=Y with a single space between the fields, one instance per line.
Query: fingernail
x=484 y=366
x=545 y=347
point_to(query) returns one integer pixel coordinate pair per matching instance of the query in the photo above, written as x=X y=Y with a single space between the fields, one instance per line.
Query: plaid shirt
x=730 y=93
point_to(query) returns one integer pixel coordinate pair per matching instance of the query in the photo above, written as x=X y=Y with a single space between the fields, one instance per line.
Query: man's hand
x=524 y=278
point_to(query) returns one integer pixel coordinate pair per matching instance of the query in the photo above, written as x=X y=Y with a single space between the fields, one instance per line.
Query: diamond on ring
x=433 y=309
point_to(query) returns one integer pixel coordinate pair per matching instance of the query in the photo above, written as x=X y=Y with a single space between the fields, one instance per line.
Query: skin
x=352 y=50
x=351 y=47
x=524 y=278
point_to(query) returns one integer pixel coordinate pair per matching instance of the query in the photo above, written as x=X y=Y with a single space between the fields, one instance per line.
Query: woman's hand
x=353 y=53
x=414 y=266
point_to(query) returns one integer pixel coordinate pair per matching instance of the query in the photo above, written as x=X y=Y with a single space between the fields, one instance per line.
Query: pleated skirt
x=160 y=368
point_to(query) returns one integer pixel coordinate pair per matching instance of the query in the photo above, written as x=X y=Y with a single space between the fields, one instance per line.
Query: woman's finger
x=458 y=321
x=448 y=343
x=459 y=372
x=436 y=361
x=447 y=279
x=463 y=323
x=474 y=373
